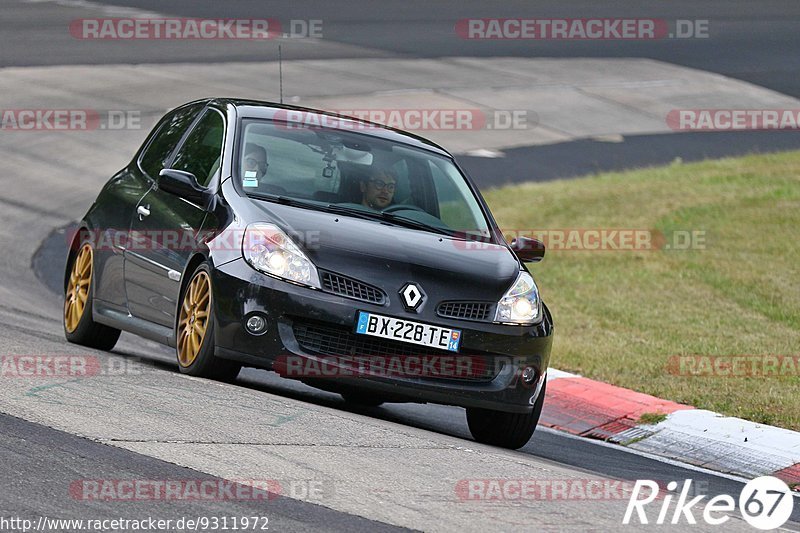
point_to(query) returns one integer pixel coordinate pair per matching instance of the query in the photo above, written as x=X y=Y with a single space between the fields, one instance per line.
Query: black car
x=357 y=258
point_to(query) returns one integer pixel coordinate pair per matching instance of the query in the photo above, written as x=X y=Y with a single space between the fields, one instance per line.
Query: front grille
x=325 y=339
x=465 y=310
x=351 y=288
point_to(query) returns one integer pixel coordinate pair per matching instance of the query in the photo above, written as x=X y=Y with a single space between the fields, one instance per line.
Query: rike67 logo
x=765 y=503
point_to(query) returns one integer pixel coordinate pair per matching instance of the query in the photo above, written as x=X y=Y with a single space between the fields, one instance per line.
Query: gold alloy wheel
x=194 y=317
x=80 y=279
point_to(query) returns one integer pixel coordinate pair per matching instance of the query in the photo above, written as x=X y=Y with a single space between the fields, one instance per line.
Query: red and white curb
x=597 y=410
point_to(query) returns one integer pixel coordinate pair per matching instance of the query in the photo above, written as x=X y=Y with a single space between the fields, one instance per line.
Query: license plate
x=397 y=329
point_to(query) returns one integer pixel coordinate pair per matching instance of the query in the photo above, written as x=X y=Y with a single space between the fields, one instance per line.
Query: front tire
x=507 y=430
x=79 y=327
x=194 y=331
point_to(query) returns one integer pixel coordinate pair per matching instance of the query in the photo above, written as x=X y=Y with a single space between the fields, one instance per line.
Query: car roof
x=267 y=110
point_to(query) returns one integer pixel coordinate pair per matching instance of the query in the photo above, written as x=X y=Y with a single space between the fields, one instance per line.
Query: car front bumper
x=292 y=311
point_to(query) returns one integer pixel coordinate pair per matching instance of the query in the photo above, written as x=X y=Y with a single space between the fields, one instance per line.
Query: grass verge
x=627 y=317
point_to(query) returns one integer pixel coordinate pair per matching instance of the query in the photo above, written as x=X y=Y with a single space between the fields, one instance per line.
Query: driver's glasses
x=253 y=163
x=380 y=184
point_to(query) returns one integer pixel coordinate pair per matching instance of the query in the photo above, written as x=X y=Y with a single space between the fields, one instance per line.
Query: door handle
x=143 y=211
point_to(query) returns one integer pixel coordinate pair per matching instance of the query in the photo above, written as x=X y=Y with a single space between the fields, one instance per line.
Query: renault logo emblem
x=413 y=297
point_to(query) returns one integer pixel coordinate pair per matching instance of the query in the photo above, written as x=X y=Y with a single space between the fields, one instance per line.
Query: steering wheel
x=403 y=207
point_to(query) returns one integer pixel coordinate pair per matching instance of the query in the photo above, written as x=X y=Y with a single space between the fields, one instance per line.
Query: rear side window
x=201 y=153
x=155 y=156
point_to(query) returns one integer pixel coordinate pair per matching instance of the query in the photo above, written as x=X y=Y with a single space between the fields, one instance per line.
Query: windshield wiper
x=329 y=208
x=277 y=198
x=389 y=217
x=411 y=223
x=359 y=213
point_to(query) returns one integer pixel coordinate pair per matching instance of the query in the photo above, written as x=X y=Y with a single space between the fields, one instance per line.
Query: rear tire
x=507 y=430
x=194 y=331
x=79 y=327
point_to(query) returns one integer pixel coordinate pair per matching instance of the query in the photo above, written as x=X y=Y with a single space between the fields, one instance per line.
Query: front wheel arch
x=72 y=251
x=186 y=276
x=205 y=363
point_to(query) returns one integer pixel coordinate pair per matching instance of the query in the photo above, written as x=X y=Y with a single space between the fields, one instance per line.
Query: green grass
x=651 y=419
x=621 y=315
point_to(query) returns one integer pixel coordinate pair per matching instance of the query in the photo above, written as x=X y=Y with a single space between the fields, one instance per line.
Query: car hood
x=389 y=256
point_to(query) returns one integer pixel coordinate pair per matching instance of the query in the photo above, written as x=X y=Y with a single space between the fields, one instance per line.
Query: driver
x=255 y=159
x=378 y=191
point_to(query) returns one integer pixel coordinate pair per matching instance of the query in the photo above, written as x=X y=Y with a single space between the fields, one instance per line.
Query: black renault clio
x=357 y=258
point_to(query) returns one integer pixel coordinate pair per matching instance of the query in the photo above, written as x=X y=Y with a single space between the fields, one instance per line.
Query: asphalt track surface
x=757 y=42
x=752 y=41
x=594 y=458
x=589 y=156
x=62 y=457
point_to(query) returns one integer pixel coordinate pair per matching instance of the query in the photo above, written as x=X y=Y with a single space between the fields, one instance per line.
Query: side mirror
x=184 y=185
x=528 y=250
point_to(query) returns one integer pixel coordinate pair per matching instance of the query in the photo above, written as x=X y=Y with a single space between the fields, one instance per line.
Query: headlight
x=521 y=304
x=271 y=251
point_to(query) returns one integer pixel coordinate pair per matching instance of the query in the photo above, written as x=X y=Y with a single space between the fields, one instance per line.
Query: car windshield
x=353 y=173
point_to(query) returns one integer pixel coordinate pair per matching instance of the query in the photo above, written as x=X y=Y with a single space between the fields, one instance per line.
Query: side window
x=202 y=152
x=169 y=134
